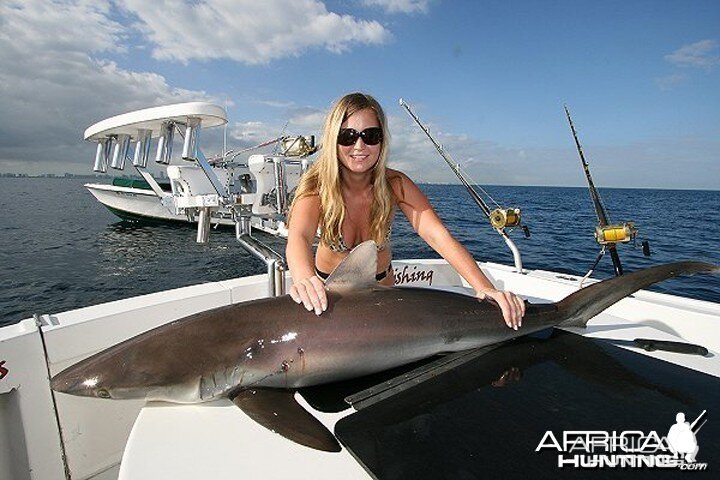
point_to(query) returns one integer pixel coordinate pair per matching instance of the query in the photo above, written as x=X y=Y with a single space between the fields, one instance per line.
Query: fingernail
x=309 y=307
x=318 y=312
x=515 y=327
x=324 y=306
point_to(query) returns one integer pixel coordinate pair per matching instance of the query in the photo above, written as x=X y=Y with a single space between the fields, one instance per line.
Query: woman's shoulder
x=308 y=201
x=398 y=181
x=396 y=176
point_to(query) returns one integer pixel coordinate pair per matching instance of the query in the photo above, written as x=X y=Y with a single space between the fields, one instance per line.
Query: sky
x=489 y=78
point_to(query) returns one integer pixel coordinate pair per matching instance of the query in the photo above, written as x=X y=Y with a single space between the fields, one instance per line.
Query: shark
x=257 y=353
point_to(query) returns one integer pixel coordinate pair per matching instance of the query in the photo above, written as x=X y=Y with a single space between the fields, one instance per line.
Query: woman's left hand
x=512 y=306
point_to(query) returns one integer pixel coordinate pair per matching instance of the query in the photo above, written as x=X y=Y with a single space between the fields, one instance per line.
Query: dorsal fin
x=357 y=270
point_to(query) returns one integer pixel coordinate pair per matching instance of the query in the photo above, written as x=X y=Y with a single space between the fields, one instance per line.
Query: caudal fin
x=587 y=302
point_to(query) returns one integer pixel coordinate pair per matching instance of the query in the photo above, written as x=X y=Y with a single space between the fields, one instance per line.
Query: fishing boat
x=481 y=413
x=148 y=199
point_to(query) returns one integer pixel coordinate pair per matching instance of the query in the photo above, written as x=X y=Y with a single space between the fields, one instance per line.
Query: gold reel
x=621 y=233
x=298 y=146
x=505 y=218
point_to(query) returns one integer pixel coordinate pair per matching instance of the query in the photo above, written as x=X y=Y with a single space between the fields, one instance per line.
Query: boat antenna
x=282 y=135
x=606 y=234
x=225 y=127
x=500 y=218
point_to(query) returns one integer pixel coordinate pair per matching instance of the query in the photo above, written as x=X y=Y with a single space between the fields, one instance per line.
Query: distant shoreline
x=52 y=175
x=110 y=177
x=69 y=176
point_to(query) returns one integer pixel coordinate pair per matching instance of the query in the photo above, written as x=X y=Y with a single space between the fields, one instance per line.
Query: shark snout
x=74 y=381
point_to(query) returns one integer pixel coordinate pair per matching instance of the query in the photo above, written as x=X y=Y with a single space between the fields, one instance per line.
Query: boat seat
x=188 y=181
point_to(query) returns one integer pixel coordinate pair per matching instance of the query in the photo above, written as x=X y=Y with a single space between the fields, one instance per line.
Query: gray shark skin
x=367 y=328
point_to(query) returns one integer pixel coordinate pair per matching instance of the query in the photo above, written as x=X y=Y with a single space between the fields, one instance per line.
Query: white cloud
x=60 y=62
x=300 y=121
x=483 y=161
x=688 y=162
x=54 y=85
x=668 y=82
x=247 y=31
x=277 y=103
x=410 y=150
x=487 y=162
x=702 y=54
x=400 y=6
x=38 y=26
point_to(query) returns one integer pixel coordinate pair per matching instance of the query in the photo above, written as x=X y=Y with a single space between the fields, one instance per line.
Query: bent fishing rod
x=499 y=218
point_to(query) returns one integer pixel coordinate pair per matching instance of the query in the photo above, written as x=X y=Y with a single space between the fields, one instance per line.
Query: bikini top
x=341 y=246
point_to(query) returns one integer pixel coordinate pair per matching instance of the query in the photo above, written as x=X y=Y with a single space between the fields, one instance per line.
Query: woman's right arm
x=307 y=288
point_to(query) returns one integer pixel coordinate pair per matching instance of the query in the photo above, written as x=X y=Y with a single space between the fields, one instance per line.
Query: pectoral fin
x=278 y=411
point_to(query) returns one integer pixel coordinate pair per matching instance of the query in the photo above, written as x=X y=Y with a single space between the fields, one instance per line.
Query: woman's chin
x=363 y=165
x=359 y=167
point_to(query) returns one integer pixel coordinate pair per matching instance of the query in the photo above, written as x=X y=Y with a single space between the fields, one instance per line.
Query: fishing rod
x=291 y=146
x=500 y=218
x=607 y=235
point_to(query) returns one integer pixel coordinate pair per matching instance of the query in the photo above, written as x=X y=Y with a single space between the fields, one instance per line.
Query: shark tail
x=579 y=307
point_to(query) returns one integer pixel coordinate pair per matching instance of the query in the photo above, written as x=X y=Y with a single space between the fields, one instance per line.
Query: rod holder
x=190 y=144
x=274 y=262
x=122 y=147
x=142 y=148
x=102 y=155
x=280 y=185
x=203 y=232
x=165 y=141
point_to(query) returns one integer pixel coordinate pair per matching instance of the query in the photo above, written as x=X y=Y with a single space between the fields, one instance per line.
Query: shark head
x=126 y=371
x=87 y=379
x=134 y=370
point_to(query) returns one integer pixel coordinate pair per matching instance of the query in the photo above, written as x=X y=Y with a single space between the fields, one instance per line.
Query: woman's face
x=360 y=157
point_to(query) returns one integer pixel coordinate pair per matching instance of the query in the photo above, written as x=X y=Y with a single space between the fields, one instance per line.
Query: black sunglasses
x=371 y=136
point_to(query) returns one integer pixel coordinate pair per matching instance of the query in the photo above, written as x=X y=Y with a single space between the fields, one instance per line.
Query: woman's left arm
x=416 y=207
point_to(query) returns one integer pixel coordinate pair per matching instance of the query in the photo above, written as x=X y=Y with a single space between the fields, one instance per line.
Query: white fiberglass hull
x=141 y=204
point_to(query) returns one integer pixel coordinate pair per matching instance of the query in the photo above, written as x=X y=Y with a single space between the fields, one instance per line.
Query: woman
x=351 y=195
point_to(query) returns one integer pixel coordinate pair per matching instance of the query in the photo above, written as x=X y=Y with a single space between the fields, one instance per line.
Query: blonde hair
x=323 y=177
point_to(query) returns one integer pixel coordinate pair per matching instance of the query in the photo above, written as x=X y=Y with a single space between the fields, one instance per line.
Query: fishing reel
x=300 y=146
x=619 y=233
x=502 y=218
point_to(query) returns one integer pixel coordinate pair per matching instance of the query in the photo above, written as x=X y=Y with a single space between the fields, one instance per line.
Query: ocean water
x=60 y=249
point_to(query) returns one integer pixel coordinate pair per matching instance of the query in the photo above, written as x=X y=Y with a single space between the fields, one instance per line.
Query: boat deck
x=218 y=439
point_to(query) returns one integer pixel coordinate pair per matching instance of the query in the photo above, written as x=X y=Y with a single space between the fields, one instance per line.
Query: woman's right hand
x=310 y=292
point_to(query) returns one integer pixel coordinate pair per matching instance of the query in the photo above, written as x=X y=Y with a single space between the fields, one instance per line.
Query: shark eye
x=102 y=393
